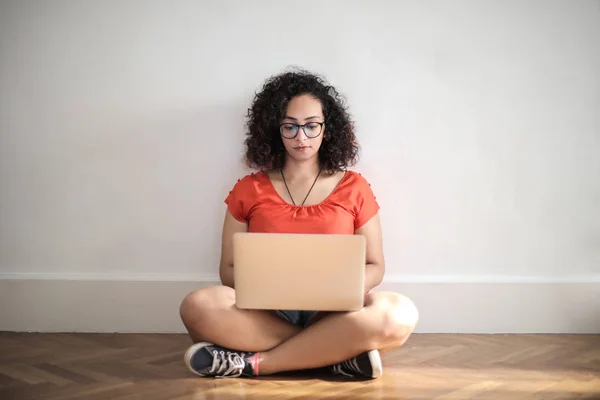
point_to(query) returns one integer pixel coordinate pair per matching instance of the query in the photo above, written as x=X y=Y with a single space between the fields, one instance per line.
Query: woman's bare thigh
x=210 y=315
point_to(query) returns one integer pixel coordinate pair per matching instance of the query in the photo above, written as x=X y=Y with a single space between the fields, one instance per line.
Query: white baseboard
x=76 y=304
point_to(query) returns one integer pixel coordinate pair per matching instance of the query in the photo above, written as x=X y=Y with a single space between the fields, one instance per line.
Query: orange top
x=255 y=201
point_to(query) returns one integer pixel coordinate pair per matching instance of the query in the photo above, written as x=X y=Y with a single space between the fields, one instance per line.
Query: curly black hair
x=264 y=145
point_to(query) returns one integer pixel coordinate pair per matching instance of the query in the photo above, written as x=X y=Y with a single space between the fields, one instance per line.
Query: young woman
x=301 y=140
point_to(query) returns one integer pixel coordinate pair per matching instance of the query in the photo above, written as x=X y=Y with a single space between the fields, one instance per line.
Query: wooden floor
x=119 y=367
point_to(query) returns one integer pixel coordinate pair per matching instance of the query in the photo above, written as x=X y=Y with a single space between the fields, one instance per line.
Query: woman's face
x=303 y=110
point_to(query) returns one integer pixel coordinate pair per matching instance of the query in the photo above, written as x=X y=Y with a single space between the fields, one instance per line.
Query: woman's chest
x=323 y=219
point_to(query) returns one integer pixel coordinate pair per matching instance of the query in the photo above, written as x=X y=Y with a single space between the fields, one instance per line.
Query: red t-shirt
x=255 y=201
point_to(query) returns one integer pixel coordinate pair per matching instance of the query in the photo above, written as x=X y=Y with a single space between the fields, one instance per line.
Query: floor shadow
x=313 y=374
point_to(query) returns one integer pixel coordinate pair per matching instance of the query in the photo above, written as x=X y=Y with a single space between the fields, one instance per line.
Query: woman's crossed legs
x=233 y=342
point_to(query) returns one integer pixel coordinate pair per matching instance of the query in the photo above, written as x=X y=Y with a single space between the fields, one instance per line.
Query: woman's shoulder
x=250 y=182
x=253 y=176
x=244 y=194
x=249 y=178
x=355 y=175
x=353 y=189
x=355 y=180
x=356 y=194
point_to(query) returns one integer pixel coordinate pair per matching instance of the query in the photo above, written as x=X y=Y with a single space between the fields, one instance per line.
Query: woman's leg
x=210 y=315
x=346 y=341
x=386 y=322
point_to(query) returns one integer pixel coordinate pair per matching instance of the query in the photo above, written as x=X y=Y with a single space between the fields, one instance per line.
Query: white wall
x=121 y=128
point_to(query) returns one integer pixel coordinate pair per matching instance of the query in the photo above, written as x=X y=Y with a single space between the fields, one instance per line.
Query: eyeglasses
x=311 y=129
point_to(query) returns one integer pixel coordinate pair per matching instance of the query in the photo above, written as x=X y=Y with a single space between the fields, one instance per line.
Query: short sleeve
x=366 y=203
x=239 y=199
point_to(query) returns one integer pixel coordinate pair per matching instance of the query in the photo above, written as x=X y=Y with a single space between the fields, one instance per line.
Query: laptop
x=290 y=271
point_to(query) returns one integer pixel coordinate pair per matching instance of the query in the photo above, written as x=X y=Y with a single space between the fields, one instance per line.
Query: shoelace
x=227 y=364
x=349 y=365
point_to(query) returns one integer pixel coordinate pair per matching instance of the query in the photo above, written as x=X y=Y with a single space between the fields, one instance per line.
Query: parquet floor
x=135 y=366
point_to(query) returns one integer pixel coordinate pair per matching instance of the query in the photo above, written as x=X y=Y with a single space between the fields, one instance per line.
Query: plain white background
x=121 y=129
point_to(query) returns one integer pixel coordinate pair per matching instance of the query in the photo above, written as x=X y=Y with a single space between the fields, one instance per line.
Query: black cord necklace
x=309 y=190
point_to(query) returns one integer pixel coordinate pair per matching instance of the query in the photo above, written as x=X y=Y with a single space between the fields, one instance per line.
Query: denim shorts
x=297 y=317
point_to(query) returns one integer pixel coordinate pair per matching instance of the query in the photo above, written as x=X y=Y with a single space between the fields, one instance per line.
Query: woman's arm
x=230 y=226
x=375 y=267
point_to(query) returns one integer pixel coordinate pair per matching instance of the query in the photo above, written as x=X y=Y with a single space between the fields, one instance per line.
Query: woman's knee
x=198 y=304
x=399 y=317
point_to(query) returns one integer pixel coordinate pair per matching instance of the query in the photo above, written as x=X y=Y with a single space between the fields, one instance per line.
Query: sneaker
x=208 y=360
x=365 y=365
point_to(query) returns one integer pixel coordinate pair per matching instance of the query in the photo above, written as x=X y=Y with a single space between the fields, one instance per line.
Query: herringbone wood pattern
x=135 y=366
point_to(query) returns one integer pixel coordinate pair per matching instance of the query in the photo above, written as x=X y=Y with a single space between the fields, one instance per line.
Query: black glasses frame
x=303 y=130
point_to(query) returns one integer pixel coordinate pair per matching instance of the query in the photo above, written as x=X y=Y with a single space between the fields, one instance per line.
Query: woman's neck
x=300 y=170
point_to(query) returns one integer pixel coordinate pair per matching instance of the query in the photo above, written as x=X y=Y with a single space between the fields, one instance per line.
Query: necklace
x=309 y=190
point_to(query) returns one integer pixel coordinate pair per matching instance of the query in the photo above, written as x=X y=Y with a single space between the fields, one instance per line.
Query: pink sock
x=255 y=361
